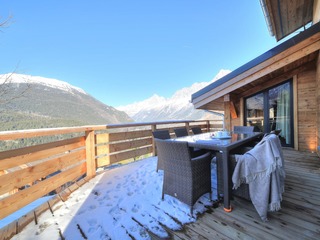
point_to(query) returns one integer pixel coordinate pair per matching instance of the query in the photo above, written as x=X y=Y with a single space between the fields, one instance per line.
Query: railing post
x=90 y=154
x=154 y=152
x=208 y=125
x=188 y=127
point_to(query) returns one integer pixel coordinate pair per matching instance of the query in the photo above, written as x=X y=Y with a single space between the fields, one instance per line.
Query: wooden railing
x=31 y=172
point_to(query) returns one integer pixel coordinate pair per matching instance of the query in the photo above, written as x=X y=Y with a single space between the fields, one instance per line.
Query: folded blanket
x=263 y=169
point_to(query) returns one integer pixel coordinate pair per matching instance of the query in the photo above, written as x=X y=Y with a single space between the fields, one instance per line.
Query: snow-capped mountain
x=36 y=102
x=177 y=107
x=49 y=82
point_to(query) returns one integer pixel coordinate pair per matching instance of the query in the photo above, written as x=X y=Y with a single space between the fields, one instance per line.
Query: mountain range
x=176 y=107
x=28 y=102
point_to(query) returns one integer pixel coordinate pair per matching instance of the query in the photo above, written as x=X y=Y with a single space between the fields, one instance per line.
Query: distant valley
x=28 y=102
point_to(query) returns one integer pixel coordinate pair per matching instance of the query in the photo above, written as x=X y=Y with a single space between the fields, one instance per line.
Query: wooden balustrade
x=31 y=172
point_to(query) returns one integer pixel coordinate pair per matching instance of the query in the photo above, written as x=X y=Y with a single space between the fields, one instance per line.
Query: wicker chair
x=181 y=132
x=244 y=129
x=185 y=178
x=196 y=130
x=242 y=191
x=160 y=134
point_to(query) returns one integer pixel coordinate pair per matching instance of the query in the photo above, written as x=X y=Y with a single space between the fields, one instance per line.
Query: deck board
x=299 y=217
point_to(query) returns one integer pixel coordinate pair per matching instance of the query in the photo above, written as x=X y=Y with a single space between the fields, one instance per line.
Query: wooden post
x=188 y=127
x=208 y=125
x=227 y=118
x=154 y=152
x=318 y=99
x=90 y=154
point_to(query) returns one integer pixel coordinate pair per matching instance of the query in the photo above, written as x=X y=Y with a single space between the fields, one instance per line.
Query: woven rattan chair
x=160 y=134
x=196 y=130
x=246 y=129
x=242 y=191
x=243 y=129
x=181 y=132
x=185 y=178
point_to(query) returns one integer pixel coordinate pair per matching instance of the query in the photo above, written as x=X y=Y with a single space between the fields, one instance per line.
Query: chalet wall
x=307 y=110
x=308 y=107
x=316 y=11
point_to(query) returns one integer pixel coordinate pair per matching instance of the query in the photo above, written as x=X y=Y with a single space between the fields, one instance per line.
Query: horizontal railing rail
x=33 y=171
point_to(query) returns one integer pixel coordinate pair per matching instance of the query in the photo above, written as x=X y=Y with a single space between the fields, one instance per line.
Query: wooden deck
x=299 y=217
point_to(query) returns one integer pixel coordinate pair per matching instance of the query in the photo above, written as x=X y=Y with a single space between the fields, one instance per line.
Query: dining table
x=223 y=144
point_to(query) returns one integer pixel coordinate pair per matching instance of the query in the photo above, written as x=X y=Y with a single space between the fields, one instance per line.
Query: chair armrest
x=203 y=156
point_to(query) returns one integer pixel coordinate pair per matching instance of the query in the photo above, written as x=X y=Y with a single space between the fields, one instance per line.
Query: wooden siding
x=316 y=11
x=307 y=110
x=286 y=16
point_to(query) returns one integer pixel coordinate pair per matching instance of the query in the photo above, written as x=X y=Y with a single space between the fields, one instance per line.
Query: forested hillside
x=33 y=102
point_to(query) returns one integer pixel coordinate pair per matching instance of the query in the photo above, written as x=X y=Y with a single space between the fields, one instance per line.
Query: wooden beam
x=283 y=77
x=30 y=133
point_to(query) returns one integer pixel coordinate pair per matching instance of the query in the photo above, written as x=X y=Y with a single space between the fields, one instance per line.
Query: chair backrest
x=161 y=134
x=181 y=132
x=196 y=130
x=244 y=129
x=173 y=153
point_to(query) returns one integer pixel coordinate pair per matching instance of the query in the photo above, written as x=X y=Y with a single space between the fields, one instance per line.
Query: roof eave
x=195 y=98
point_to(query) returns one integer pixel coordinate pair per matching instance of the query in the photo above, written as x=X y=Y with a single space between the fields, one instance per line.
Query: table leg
x=226 y=181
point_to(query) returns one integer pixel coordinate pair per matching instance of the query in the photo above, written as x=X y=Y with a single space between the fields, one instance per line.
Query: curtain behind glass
x=283 y=115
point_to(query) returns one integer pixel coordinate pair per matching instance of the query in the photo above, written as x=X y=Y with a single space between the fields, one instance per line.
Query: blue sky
x=124 y=51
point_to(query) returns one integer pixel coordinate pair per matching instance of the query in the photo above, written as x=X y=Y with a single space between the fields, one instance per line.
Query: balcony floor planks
x=299 y=217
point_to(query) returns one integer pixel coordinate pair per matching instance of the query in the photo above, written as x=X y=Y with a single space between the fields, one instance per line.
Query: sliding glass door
x=272 y=110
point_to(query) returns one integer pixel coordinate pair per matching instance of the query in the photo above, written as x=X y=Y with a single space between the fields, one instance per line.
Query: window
x=272 y=110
